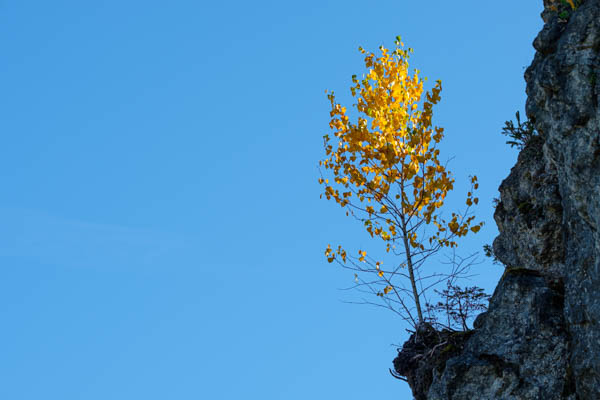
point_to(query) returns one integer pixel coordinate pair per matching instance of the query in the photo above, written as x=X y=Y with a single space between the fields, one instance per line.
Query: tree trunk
x=411 y=273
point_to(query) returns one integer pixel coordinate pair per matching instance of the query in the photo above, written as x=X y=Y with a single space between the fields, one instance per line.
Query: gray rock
x=520 y=350
x=540 y=338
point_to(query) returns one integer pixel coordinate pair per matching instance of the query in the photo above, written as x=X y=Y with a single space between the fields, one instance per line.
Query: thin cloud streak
x=34 y=235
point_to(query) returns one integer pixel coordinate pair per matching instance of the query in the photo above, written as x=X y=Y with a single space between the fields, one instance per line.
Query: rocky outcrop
x=540 y=338
x=426 y=352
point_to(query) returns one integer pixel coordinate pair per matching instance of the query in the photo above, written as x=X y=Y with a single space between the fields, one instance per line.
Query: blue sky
x=162 y=235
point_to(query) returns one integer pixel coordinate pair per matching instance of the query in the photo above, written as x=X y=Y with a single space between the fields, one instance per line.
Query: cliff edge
x=540 y=338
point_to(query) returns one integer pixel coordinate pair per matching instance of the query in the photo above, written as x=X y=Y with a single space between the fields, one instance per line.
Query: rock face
x=540 y=338
x=427 y=350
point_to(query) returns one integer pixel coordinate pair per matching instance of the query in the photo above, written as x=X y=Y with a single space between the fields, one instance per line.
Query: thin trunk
x=411 y=272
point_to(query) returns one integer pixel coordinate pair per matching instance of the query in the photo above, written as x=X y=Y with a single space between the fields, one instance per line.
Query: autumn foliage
x=574 y=4
x=382 y=166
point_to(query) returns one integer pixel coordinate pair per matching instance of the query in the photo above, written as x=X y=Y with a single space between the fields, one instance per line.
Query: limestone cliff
x=540 y=338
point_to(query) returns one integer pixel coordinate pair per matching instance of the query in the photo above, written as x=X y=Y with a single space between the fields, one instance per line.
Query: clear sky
x=161 y=232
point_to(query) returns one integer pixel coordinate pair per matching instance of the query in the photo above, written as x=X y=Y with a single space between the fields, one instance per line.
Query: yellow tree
x=385 y=171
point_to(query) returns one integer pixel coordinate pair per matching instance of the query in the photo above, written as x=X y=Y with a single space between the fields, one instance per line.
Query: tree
x=458 y=305
x=520 y=134
x=387 y=174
